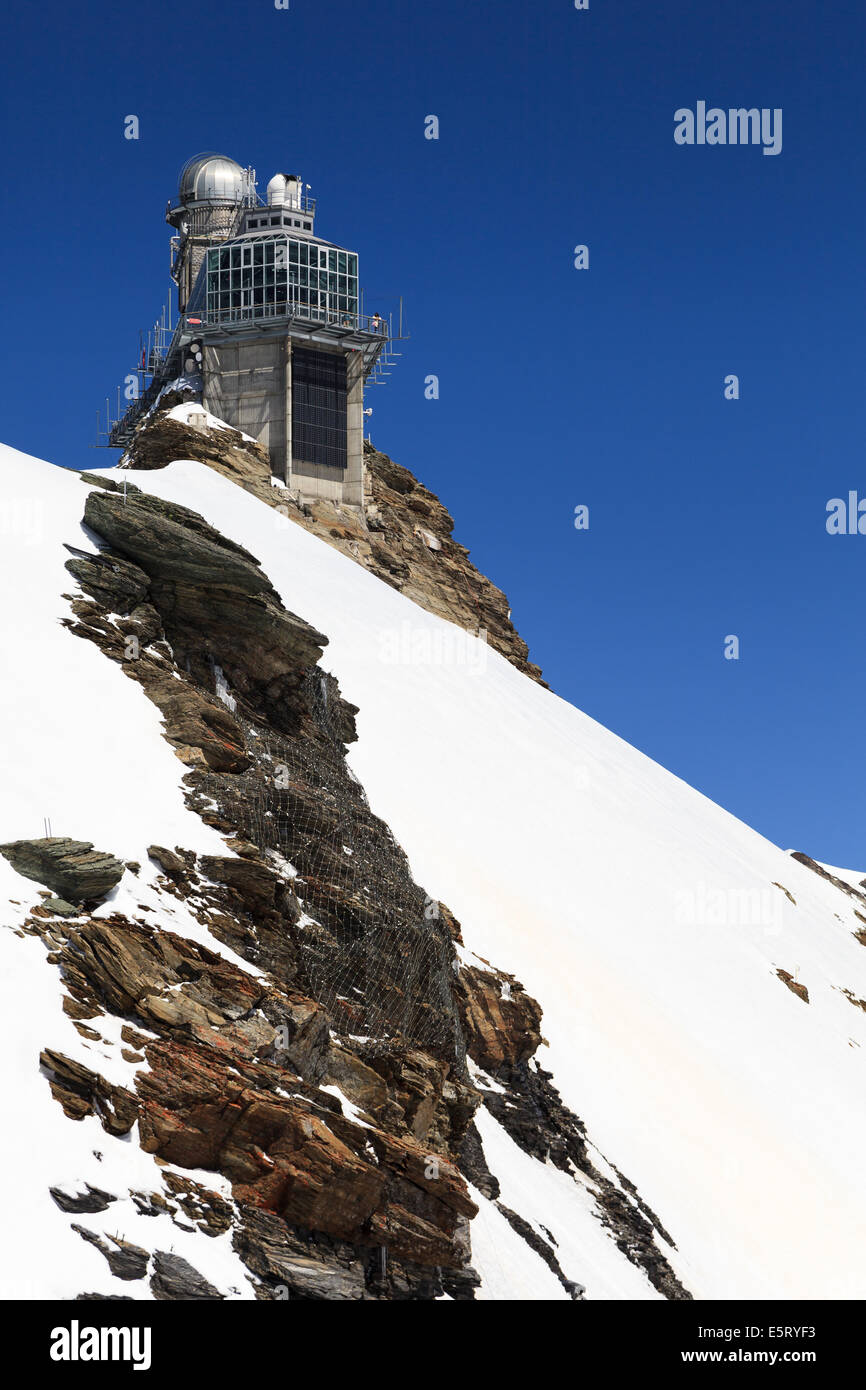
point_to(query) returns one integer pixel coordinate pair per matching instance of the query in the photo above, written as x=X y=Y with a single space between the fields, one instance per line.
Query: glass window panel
x=319 y=389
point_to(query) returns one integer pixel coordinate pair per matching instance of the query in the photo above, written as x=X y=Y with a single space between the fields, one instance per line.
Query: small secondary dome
x=211 y=177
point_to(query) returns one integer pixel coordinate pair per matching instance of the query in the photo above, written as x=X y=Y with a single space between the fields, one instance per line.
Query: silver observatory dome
x=211 y=178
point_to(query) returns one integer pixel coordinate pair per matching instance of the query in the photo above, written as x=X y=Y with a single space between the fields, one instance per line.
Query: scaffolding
x=161 y=351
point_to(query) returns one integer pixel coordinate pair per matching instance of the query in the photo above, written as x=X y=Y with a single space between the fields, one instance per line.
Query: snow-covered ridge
x=642 y=916
x=648 y=922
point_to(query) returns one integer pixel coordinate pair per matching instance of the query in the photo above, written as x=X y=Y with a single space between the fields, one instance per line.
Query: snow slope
x=643 y=917
x=77 y=735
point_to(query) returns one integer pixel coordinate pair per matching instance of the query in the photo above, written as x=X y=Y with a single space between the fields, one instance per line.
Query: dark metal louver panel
x=318 y=408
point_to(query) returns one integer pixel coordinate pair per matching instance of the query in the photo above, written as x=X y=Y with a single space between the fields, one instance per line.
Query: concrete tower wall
x=207 y=226
x=249 y=385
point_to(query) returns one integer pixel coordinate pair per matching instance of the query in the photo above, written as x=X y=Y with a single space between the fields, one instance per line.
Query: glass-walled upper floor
x=264 y=276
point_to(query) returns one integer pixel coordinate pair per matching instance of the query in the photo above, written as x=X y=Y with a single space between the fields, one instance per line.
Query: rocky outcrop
x=174 y=1278
x=405 y=535
x=327 y=1083
x=162 y=437
x=793 y=985
x=225 y=1089
x=214 y=603
x=290 y=1266
x=126 y=1261
x=858 y=894
x=501 y=1025
x=412 y=547
x=501 y=1021
x=73 y=869
x=83 y=1092
x=91 y=1199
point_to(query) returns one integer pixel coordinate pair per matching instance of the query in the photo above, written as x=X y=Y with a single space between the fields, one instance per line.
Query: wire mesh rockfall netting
x=375 y=950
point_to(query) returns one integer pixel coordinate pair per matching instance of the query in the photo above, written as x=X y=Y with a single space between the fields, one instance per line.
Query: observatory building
x=272 y=335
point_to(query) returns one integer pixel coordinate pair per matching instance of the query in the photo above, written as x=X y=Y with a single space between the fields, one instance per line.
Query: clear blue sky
x=558 y=387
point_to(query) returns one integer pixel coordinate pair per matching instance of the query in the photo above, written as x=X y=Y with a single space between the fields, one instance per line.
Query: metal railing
x=162 y=349
x=292 y=309
x=302 y=203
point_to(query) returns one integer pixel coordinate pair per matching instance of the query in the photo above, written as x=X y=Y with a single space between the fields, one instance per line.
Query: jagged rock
x=542 y=1248
x=365 y=920
x=125 y=1261
x=194 y=719
x=359 y=1083
x=81 y=1092
x=117 y=584
x=857 y=893
x=174 y=1278
x=162 y=439
x=501 y=1020
x=302 y=1036
x=286 y=1153
x=473 y=1162
x=259 y=889
x=276 y=1151
x=92 y=1199
x=102 y=480
x=172 y=543
x=172 y=863
x=425 y=1098
x=206 y=1210
x=215 y=603
x=151 y=1204
x=432 y=1173
x=72 y=869
x=531 y=1110
x=415 y=531
x=142 y=623
x=60 y=907
x=135 y=969
x=293 y=1266
x=103 y=1297
x=793 y=985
